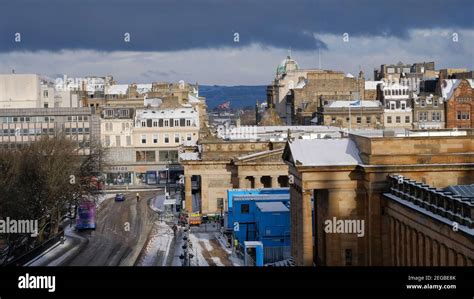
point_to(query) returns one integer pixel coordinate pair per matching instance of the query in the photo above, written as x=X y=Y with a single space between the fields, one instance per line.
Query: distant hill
x=239 y=96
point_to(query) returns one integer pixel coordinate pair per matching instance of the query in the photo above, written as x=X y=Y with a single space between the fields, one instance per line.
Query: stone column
x=188 y=194
x=258 y=181
x=307 y=228
x=242 y=182
x=275 y=181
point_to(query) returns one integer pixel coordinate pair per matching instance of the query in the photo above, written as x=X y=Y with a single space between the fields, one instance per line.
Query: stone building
x=428 y=111
x=396 y=98
x=241 y=158
x=323 y=86
x=365 y=114
x=296 y=93
x=222 y=165
x=421 y=70
x=346 y=179
x=288 y=76
x=420 y=223
x=370 y=91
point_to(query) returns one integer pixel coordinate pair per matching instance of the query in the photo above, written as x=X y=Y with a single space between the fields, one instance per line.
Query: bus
x=85 y=218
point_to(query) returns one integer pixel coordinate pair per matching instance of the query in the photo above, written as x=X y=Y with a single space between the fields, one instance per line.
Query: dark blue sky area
x=170 y=25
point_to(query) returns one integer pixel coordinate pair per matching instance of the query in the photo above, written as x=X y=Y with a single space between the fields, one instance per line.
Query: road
x=122 y=228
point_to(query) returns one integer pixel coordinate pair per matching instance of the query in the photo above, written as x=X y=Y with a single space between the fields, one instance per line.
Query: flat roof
x=275 y=206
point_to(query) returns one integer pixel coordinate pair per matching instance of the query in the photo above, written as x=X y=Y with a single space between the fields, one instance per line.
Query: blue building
x=261 y=215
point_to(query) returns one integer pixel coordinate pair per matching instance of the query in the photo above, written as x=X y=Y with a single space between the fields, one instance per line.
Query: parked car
x=119 y=197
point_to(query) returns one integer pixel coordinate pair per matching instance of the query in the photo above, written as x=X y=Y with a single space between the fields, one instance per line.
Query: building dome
x=288 y=64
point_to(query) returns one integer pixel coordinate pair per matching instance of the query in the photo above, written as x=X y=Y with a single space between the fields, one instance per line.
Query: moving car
x=119 y=197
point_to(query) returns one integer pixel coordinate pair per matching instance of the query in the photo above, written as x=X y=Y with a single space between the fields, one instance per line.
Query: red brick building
x=459 y=97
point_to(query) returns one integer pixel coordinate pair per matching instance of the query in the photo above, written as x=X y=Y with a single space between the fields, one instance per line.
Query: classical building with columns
x=429 y=226
x=221 y=165
x=348 y=179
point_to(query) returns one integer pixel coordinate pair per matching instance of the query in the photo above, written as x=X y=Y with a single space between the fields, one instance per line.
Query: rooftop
x=166 y=113
x=275 y=206
x=324 y=152
x=357 y=104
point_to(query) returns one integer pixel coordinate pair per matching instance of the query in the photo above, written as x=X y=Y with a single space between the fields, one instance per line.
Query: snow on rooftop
x=143 y=88
x=345 y=104
x=325 y=152
x=167 y=113
x=449 y=85
x=153 y=102
x=117 y=89
x=189 y=156
x=372 y=84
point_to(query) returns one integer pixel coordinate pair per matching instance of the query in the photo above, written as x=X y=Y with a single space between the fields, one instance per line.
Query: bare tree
x=42 y=180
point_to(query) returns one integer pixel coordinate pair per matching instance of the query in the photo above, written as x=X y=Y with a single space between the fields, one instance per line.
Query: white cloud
x=250 y=65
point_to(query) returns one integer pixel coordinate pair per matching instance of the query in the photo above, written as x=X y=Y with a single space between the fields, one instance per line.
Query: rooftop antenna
x=289 y=52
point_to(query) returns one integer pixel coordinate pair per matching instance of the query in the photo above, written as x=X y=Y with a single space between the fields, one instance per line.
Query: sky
x=196 y=40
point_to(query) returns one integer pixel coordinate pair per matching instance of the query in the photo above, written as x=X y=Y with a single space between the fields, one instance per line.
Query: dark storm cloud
x=186 y=24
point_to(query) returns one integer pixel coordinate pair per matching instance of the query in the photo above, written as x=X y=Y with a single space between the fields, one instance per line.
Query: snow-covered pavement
x=208 y=249
x=157 y=248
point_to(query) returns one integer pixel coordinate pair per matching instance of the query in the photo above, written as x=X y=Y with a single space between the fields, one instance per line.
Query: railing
x=453 y=207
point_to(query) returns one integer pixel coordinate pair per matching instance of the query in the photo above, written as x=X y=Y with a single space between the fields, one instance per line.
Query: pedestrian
x=138 y=197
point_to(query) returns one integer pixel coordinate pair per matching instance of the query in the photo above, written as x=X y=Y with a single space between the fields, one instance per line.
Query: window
x=143 y=139
x=389 y=119
x=167 y=122
x=423 y=116
x=397 y=119
x=155 y=138
x=333 y=119
x=359 y=120
x=117 y=141
x=176 y=138
x=463 y=115
x=124 y=112
x=423 y=103
x=188 y=123
x=378 y=119
x=369 y=119
x=407 y=119
x=107 y=140
x=176 y=122
x=436 y=116
x=45 y=94
x=109 y=112
x=45 y=105
x=392 y=105
x=167 y=138
x=244 y=208
x=435 y=103
x=188 y=137
x=155 y=123
x=129 y=140
x=143 y=123
x=145 y=156
x=403 y=105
